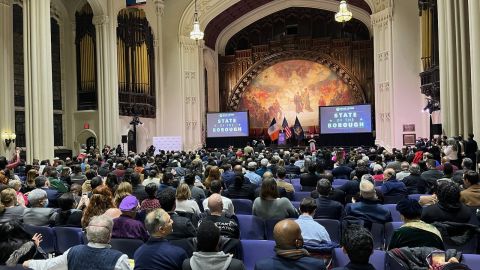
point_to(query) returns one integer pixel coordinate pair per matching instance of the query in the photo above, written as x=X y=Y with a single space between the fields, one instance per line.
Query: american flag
x=286 y=128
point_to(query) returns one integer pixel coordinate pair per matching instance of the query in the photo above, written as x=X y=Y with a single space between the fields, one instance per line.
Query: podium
x=282 y=139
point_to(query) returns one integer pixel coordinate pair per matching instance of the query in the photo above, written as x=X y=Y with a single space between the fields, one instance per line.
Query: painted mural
x=293 y=88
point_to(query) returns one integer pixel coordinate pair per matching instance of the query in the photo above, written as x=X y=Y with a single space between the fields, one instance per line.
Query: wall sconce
x=9 y=137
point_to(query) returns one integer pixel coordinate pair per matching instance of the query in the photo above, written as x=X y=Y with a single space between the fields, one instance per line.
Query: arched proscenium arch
x=313 y=56
x=209 y=9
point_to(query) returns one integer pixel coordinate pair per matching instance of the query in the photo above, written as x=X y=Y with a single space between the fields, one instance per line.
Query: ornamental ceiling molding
x=209 y=9
x=273 y=7
x=314 y=56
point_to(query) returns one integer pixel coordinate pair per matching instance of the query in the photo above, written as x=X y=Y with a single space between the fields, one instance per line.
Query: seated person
x=182 y=226
x=309 y=180
x=449 y=207
x=326 y=207
x=269 y=205
x=184 y=200
x=157 y=252
x=411 y=181
x=150 y=203
x=16 y=244
x=126 y=226
x=228 y=226
x=414 y=232
x=68 y=216
x=368 y=208
x=240 y=189
x=207 y=255
x=281 y=183
x=97 y=254
x=471 y=195
x=358 y=244
x=391 y=186
x=289 y=250
x=9 y=210
x=216 y=188
x=312 y=231
x=39 y=214
x=281 y=191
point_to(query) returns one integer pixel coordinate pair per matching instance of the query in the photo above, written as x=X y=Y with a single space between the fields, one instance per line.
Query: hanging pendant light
x=343 y=15
x=196 y=33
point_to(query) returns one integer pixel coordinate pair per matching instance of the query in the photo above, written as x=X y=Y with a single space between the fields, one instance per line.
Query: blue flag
x=298 y=130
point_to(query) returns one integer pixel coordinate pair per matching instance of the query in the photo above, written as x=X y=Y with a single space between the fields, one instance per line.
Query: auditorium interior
x=107 y=72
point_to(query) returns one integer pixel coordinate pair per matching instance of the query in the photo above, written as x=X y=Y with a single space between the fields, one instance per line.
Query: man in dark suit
x=429 y=177
x=342 y=171
x=309 y=180
x=182 y=226
x=292 y=169
x=326 y=207
x=471 y=148
x=42 y=182
x=467 y=165
x=412 y=180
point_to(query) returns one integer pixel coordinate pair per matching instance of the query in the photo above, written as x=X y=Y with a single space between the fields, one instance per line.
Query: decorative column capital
x=100 y=20
x=382 y=17
x=6 y=2
x=159 y=7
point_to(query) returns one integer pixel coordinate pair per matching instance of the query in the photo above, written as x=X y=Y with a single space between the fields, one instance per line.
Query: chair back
x=251 y=227
x=393 y=199
x=126 y=246
x=377 y=259
x=242 y=206
x=269 y=225
x=393 y=210
x=299 y=195
x=296 y=204
x=415 y=196
x=48 y=243
x=256 y=250
x=67 y=237
x=390 y=228
x=472 y=260
x=333 y=228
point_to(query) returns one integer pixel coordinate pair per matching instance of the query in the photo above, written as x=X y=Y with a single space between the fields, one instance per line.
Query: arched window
x=136 y=75
x=56 y=84
x=18 y=76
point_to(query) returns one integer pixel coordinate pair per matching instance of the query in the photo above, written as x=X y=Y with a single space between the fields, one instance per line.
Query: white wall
x=407 y=99
x=145 y=132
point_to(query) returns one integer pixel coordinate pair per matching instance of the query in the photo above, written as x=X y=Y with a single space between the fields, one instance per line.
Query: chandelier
x=196 y=33
x=343 y=15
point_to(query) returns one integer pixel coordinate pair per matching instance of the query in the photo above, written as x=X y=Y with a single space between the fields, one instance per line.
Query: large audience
x=181 y=204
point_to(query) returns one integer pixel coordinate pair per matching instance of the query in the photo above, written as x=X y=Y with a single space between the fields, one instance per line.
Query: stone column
x=474 y=24
x=108 y=105
x=192 y=85
x=38 y=79
x=382 y=29
x=7 y=107
x=158 y=44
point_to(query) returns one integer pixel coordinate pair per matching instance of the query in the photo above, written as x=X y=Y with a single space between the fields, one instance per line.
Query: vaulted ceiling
x=213 y=29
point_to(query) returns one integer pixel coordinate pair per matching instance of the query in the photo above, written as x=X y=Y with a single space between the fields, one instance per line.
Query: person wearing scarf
x=415 y=232
x=289 y=250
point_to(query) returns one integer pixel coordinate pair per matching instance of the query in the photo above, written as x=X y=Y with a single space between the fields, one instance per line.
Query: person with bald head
x=225 y=222
x=216 y=188
x=289 y=250
x=391 y=186
x=157 y=252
